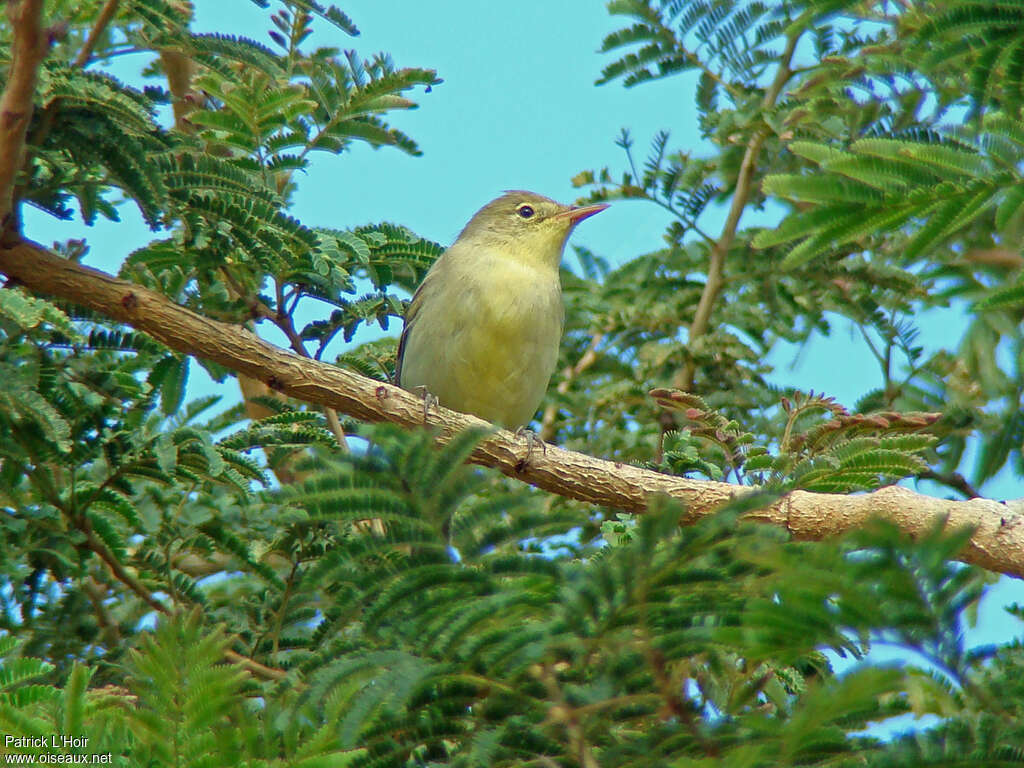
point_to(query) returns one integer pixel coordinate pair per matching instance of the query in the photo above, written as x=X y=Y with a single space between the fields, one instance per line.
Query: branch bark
x=29 y=46
x=997 y=542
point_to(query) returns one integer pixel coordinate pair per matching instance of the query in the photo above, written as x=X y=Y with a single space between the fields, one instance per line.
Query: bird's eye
x=525 y=211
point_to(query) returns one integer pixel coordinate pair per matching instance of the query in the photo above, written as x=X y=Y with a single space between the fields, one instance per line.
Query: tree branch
x=49 y=113
x=744 y=183
x=257 y=669
x=1007 y=258
x=97 y=595
x=29 y=46
x=953 y=480
x=284 y=323
x=563 y=713
x=119 y=572
x=997 y=544
x=102 y=21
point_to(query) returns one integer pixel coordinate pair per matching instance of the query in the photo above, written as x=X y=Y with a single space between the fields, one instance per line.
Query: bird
x=483 y=329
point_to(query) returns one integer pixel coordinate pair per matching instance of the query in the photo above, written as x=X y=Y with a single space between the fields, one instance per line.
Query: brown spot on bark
x=10 y=118
x=129 y=301
x=56 y=33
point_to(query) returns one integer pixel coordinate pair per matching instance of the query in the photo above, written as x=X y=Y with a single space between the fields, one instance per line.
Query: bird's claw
x=429 y=399
x=531 y=441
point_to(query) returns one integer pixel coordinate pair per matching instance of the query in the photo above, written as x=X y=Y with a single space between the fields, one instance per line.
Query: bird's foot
x=429 y=399
x=532 y=440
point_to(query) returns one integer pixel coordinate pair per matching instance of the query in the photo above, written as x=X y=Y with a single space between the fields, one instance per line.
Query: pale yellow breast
x=485 y=338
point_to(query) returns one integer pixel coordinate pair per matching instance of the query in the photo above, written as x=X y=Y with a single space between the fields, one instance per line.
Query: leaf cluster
x=898 y=184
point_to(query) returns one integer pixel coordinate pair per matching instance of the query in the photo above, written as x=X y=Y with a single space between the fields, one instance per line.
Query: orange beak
x=576 y=215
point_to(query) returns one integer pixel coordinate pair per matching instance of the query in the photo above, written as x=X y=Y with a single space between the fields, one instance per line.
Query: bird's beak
x=576 y=215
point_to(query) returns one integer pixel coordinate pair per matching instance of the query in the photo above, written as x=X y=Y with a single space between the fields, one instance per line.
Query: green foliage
x=899 y=200
x=522 y=657
x=184 y=585
x=985 y=38
x=943 y=185
x=221 y=178
x=848 y=452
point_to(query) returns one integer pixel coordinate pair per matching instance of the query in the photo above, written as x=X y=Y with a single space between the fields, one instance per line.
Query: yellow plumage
x=483 y=329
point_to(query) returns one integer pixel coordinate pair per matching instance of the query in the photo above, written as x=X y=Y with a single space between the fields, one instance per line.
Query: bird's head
x=528 y=227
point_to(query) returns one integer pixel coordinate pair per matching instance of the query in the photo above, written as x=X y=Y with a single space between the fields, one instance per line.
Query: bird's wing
x=410 y=319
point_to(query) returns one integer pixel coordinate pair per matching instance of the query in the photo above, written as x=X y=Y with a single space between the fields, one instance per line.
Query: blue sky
x=518 y=109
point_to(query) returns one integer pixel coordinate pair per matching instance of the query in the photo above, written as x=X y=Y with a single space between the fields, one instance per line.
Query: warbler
x=482 y=331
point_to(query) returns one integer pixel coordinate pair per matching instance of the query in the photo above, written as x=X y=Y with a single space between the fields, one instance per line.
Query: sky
x=518 y=109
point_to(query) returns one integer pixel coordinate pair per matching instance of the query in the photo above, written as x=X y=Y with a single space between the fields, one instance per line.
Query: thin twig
x=119 y=572
x=279 y=618
x=569 y=375
x=260 y=670
x=97 y=594
x=102 y=21
x=871 y=345
x=744 y=183
x=335 y=425
x=689 y=222
x=735 y=91
x=1005 y=258
x=562 y=712
x=287 y=327
x=953 y=480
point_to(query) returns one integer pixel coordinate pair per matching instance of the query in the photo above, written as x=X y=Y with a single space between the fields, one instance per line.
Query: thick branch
x=28 y=49
x=997 y=544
